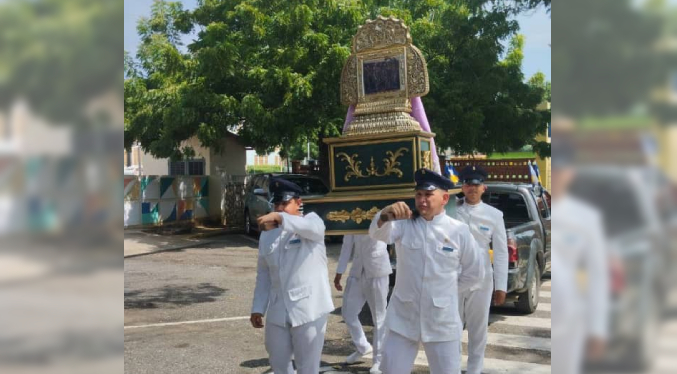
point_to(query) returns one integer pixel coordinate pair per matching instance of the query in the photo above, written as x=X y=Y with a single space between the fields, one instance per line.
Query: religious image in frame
x=382 y=75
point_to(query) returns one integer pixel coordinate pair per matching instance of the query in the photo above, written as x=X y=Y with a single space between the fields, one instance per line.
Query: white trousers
x=568 y=348
x=474 y=310
x=375 y=292
x=399 y=354
x=304 y=342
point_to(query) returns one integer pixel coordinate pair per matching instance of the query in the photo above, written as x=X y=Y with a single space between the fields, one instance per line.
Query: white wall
x=271 y=158
x=153 y=166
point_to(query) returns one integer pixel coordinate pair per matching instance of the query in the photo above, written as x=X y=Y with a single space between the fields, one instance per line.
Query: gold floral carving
x=353 y=167
x=382 y=123
x=358 y=215
x=390 y=163
x=381 y=32
x=417 y=72
x=349 y=81
x=427 y=159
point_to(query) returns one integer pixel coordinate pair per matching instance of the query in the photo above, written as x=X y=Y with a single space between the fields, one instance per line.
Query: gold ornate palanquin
x=373 y=163
x=383 y=41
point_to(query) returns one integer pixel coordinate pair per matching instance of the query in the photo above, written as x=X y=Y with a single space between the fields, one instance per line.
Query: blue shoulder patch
x=447 y=249
x=295 y=241
x=484 y=228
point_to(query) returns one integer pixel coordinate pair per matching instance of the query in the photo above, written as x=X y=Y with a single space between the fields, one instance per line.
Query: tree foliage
x=272 y=68
x=608 y=60
x=542 y=148
x=59 y=55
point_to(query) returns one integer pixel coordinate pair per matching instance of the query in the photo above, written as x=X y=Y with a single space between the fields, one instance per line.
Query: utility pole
x=308 y=145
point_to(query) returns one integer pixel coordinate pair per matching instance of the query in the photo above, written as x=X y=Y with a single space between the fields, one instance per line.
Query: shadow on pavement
x=172 y=295
x=257 y=363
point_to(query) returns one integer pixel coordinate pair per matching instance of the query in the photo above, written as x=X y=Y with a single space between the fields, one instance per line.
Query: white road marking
x=496 y=366
x=545 y=307
x=542 y=323
x=187 y=322
x=545 y=294
x=515 y=341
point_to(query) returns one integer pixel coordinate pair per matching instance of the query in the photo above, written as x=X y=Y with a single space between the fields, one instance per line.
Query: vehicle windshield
x=614 y=197
x=512 y=204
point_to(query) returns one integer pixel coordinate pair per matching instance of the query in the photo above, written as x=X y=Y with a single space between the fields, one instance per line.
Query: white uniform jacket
x=430 y=255
x=580 y=247
x=368 y=254
x=487 y=227
x=292 y=280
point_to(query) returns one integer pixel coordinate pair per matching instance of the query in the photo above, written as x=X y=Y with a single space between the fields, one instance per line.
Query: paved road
x=187 y=312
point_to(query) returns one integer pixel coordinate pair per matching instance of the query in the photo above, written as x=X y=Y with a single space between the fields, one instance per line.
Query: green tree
x=299 y=150
x=165 y=102
x=273 y=68
x=59 y=55
x=542 y=148
x=606 y=58
x=269 y=66
x=478 y=102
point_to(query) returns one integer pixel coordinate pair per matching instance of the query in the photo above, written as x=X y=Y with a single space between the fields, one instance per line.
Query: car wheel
x=528 y=300
x=247 y=223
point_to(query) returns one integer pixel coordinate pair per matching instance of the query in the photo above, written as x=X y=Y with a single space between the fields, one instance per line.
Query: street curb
x=170 y=249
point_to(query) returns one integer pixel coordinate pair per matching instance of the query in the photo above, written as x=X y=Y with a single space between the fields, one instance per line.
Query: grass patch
x=251 y=169
x=616 y=122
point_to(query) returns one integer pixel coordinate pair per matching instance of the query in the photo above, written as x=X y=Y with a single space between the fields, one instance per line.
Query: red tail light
x=617 y=273
x=513 y=256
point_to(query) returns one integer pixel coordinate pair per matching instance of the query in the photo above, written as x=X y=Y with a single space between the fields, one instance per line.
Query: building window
x=177 y=168
x=187 y=167
x=196 y=167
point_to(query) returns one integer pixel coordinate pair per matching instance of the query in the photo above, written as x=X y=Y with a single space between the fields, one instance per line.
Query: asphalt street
x=187 y=311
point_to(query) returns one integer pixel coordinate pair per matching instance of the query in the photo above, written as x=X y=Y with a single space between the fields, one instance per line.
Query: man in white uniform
x=580 y=261
x=488 y=229
x=436 y=257
x=292 y=283
x=368 y=281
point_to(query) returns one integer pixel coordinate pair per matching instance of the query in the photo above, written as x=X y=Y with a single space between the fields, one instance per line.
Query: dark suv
x=257 y=195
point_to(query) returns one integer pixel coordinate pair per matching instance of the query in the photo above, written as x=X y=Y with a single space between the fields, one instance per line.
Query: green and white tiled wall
x=155 y=200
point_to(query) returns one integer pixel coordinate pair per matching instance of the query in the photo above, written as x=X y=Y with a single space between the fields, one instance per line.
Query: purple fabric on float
x=349 y=117
x=418 y=112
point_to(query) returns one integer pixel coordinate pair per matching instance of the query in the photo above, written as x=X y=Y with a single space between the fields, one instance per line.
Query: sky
x=535 y=26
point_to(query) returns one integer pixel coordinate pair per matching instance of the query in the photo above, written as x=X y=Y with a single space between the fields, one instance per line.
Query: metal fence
x=507 y=170
x=233 y=188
